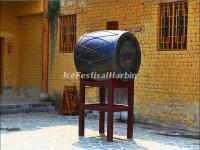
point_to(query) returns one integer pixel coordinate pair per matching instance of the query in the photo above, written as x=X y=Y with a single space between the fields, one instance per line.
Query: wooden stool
x=69 y=101
x=109 y=107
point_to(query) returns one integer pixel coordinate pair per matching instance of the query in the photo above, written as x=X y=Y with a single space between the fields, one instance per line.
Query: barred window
x=67 y=33
x=173 y=22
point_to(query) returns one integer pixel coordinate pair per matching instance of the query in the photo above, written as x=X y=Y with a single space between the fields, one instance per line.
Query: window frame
x=159 y=30
x=61 y=49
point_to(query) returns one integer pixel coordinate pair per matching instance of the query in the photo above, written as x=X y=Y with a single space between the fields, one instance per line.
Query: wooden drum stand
x=108 y=107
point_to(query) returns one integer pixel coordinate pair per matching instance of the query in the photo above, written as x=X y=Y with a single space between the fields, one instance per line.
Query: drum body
x=107 y=51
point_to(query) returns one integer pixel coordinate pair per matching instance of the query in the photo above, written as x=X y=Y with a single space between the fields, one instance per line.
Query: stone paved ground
x=50 y=131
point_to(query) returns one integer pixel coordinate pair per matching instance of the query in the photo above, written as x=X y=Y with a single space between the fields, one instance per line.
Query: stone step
x=30 y=105
x=21 y=108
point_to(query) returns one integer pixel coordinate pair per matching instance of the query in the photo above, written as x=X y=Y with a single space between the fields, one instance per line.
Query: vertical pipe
x=45 y=55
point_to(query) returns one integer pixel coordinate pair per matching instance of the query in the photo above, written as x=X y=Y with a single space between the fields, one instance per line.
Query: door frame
x=1 y=64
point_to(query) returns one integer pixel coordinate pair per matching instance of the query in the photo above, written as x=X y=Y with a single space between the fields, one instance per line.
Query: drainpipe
x=45 y=55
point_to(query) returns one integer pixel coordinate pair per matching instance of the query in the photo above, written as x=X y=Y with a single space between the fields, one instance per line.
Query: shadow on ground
x=144 y=136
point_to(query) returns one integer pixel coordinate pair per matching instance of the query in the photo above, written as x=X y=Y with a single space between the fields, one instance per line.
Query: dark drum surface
x=107 y=51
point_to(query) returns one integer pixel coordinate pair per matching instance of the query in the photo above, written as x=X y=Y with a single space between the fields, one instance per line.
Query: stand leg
x=81 y=110
x=110 y=112
x=101 y=114
x=130 y=113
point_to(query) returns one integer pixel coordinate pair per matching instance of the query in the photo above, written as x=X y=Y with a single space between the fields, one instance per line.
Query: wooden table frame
x=108 y=107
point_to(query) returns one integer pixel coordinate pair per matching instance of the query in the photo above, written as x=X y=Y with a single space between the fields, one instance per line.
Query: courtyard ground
x=50 y=131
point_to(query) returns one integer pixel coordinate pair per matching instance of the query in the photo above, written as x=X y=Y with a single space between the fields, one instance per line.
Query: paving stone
x=51 y=131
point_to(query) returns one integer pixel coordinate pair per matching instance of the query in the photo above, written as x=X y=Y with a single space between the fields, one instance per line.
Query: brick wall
x=9 y=30
x=31 y=51
x=167 y=85
x=22 y=69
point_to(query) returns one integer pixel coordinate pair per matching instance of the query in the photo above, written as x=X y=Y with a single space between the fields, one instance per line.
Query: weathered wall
x=167 y=85
x=31 y=51
x=24 y=8
x=31 y=54
x=22 y=68
x=10 y=32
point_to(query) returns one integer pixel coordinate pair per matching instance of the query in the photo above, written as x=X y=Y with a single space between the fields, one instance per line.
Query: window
x=173 y=22
x=67 y=33
x=112 y=25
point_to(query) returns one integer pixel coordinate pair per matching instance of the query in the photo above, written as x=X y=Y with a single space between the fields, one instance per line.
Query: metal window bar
x=173 y=25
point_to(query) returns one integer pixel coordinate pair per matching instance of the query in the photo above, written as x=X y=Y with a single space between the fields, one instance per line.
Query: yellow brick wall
x=31 y=38
x=24 y=8
x=9 y=30
x=167 y=85
x=21 y=68
x=63 y=62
